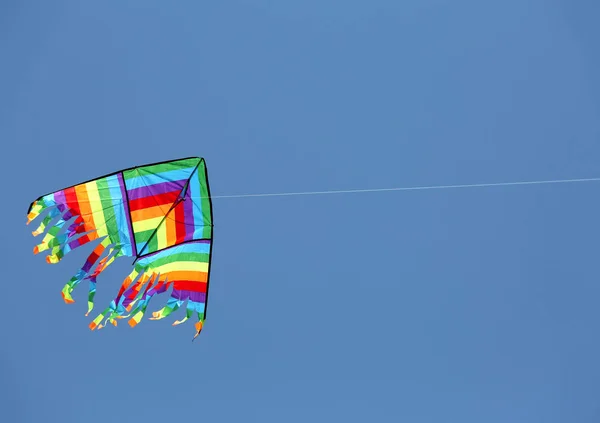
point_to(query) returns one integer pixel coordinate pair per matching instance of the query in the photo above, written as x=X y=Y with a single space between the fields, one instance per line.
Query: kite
x=160 y=214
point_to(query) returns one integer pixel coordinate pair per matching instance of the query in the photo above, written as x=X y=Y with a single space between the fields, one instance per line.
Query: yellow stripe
x=161 y=235
x=96 y=207
x=184 y=266
x=146 y=225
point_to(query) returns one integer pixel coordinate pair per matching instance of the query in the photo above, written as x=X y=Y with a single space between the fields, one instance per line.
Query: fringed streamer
x=182 y=270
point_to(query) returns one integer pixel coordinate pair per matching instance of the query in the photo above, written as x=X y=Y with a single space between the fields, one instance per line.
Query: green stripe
x=200 y=257
x=108 y=210
x=159 y=168
x=205 y=202
x=152 y=245
x=143 y=236
x=54 y=230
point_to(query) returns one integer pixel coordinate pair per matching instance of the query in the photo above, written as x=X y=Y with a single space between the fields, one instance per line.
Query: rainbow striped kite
x=160 y=213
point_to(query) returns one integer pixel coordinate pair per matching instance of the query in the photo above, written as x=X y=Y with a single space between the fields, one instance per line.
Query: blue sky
x=476 y=305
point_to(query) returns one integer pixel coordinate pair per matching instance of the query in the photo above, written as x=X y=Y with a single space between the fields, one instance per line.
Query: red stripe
x=153 y=200
x=82 y=240
x=71 y=198
x=179 y=217
x=194 y=286
x=93 y=257
x=149 y=285
x=134 y=291
x=73 y=204
x=123 y=287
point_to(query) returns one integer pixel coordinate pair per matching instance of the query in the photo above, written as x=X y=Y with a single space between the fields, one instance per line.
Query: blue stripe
x=197 y=307
x=157 y=178
x=196 y=194
x=120 y=216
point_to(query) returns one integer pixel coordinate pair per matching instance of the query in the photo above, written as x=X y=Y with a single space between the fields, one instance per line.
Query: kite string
x=414 y=188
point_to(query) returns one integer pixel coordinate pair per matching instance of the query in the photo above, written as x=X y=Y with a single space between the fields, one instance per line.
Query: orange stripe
x=85 y=209
x=186 y=275
x=171 y=231
x=149 y=213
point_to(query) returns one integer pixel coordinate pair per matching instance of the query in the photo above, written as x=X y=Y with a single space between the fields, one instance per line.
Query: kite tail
x=55 y=236
x=137 y=290
x=175 y=302
x=104 y=250
x=51 y=215
x=115 y=307
x=40 y=206
x=134 y=292
x=143 y=284
x=60 y=240
x=199 y=325
x=192 y=307
x=157 y=286
x=141 y=298
x=113 y=252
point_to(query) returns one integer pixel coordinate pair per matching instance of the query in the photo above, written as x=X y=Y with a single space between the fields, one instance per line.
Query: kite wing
x=160 y=214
